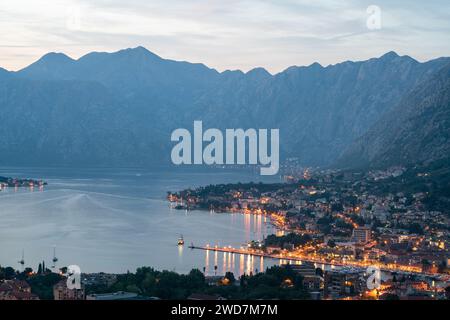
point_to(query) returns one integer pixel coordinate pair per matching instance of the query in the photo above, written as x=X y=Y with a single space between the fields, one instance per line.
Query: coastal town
x=346 y=220
x=371 y=235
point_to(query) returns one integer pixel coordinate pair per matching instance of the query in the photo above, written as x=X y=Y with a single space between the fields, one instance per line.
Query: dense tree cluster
x=289 y=239
x=276 y=283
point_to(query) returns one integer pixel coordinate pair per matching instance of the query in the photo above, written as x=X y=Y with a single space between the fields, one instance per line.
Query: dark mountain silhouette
x=416 y=131
x=116 y=109
x=4 y=74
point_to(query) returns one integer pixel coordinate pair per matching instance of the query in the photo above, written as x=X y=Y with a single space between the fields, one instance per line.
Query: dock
x=356 y=265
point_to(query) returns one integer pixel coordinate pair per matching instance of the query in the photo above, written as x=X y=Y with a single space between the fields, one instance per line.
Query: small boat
x=180 y=241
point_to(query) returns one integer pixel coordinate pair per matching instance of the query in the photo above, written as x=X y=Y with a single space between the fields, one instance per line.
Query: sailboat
x=22 y=261
x=55 y=259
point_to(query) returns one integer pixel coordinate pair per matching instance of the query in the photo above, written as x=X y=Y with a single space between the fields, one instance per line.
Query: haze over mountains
x=417 y=130
x=118 y=109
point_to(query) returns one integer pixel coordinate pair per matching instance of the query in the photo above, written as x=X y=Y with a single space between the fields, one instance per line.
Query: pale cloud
x=232 y=34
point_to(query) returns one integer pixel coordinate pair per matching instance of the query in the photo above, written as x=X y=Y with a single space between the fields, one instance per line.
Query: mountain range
x=118 y=109
x=417 y=130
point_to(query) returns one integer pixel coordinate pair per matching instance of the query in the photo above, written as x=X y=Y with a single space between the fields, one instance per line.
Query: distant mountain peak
x=259 y=72
x=52 y=65
x=140 y=48
x=389 y=55
x=138 y=51
x=56 y=57
x=315 y=65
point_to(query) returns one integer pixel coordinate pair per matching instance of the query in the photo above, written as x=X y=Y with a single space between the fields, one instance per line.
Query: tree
x=149 y=282
x=24 y=274
x=133 y=288
x=28 y=270
x=337 y=207
x=425 y=262
x=7 y=273
x=331 y=243
x=243 y=280
x=42 y=285
x=415 y=228
x=230 y=277
x=196 y=279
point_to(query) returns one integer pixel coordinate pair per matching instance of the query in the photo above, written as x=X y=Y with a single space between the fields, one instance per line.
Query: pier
x=362 y=266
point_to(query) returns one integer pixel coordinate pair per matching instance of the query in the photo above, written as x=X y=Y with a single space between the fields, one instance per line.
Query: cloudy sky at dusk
x=232 y=34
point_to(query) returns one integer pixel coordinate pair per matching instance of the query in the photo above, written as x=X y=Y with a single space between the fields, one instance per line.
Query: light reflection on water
x=114 y=221
x=236 y=263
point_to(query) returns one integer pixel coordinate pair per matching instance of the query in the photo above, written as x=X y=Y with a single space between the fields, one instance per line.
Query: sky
x=226 y=34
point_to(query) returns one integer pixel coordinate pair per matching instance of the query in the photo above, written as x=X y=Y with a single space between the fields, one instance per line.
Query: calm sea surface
x=114 y=220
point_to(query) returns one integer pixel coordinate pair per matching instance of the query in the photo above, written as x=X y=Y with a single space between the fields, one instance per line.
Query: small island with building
x=20 y=182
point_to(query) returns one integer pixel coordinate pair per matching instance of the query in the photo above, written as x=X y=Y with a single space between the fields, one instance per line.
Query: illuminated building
x=361 y=235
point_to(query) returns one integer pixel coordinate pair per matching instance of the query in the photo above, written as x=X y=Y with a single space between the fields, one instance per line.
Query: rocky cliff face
x=416 y=130
x=120 y=108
